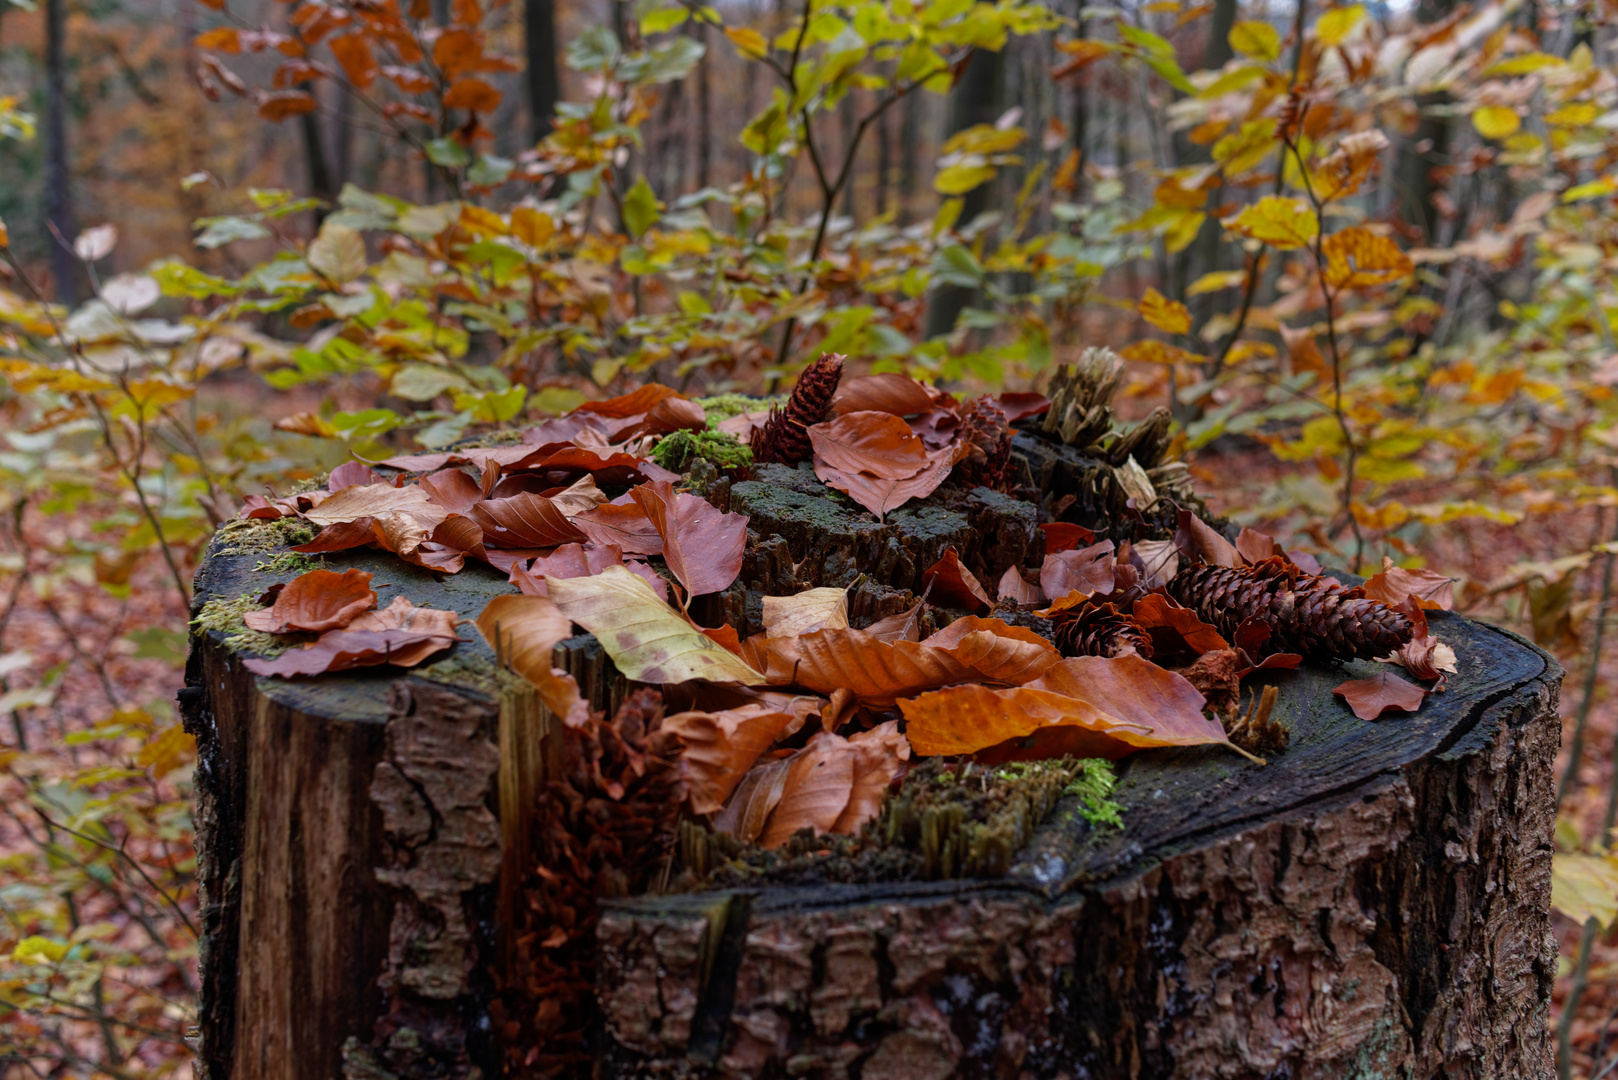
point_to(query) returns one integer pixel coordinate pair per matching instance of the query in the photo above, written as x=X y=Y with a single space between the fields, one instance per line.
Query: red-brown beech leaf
x=524 y=521
x=637 y=401
x=1175 y=631
x=1304 y=561
x=953 y=585
x=880 y=495
x=1254 y=546
x=1087 y=570
x=567 y=561
x=1432 y=590
x=754 y=800
x=460 y=534
x=624 y=526
x=903 y=626
x=674 y=414
x=889 y=393
x=880 y=755
x=1197 y=540
x=453 y=489
x=316 y=601
x=374 y=500
x=877 y=443
x=1020 y=406
x=1065 y=536
x=1016 y=588
x=524 y=631
x=1370 y=698
x=341 y=537
x=818 y=785
x=350 y=473
x=721 y=746
x=1424 y=656
x=702 y=544
x=341 y=650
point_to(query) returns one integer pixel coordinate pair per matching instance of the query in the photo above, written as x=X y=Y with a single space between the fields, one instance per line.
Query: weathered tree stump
x=1372 y=903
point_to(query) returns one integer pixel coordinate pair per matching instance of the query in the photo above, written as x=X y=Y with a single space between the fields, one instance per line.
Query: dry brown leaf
x=702 y=544
x=756 y=797
x=905 y=626
x=350 y=473
x=996 y=651
x=1254 y=546
x=567 y=561
x=524 y=521
x=316 y=601
x=342 y=650
x=1086 y=570
x=818 y=784
x=1016 y=588
x=1198 y=540
x=1065 y=536
x=721 y=746
x=877 y=443
x=806 y=612
x=1159 y=561
x=881 y=495
x=1432 y=590
x=453 y=489
x=1175 y=631
x=374 y=500
x=1370 y=698
x=949 y=584
x=624 y=526
x=880 y=755
x=524 y=632
x=889 y=393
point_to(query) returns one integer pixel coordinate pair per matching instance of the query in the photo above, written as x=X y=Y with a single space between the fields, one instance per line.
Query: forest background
x=1363 y=255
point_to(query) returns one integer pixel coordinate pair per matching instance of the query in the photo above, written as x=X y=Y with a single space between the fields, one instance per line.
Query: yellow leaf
x=1335 y=25
x=531 y=226
x=167 y=750
x=1584 y=887
x=806 y=612
x=1182 y=228
x=481 y=222
x=1256 y=39
x=959 y=179
x=750 y=42
x=1158 y=352
x=1357 y=258
x=1496 y=121
x=1344 y=172
x=1169 y=316
x=38 y=950
x=1281 y=222
x=1594 y=189
x=1576 y=114
x=1216 y=280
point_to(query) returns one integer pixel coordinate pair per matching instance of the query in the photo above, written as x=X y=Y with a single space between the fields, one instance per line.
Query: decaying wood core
x=1373 y=903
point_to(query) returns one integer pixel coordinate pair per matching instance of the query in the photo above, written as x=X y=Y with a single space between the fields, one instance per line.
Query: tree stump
x=1374 y=902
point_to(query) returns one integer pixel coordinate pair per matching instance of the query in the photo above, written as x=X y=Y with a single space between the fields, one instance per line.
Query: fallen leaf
x=1198 y=541
x=952 y=585
x=316 y=601
x=374 y=500
x=647 y=640
x=905 y=626
x=819 y=781
x=889 y=393
x=638 y=401
x=744 y=424
x=1086 y=570
x=524 y=632
x=702 y=544
x=996 y=651
x=1020 y=406
x=1424 y=656
x=623 y=526
x=1370 y=698
x=720 y=747
x=879 y=759
x=1304 y=561
x=1065 y=536
x=881 y=495
x=342 y=650
x=453 y=489
x=524 y=521
x=1175 y=631
x=806 y=612
x=437 y=623
x=1432 y=590
x=341 y=537
x=350 y=473
x=1159 y=561
x=1016 y=588
x=567 y=561
x=877 y=443
x=1254 y=546
x=756 y=797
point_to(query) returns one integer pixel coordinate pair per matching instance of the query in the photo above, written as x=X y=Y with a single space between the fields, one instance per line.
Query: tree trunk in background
x=1079 y=119
x=58 y=178
x=849 y=123
x=1203 y=256
x=343 y=136
x=314 y=152
x=1427 y=148
x=544 y=81
x=884 y=162
x=908 y=149
x=704 y=133
x=977 y=99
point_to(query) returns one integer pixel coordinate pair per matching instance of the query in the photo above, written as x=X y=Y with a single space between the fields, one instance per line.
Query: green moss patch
x=255 y=536
x=225 y=617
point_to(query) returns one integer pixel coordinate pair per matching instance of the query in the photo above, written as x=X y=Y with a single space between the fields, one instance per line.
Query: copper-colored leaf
x=641 y=400
x=350 y=473
x=567 y=561
x=806 y=612
x=341 y=536
x=881 y=495
x=624 y=527
x=524 y=631
x=453 y=489
x=879 y=759
x=953 y=585
x=819 y=781
x=721 y=746
x=647 y=640
x=702 y=544
x=905 y=626
x=1254 y=546
x=1065 y=536
x=1432 y=590
x=371 y=500
x=889 y=393
x=1198 y=540
x=1424 y=656
x=1020 y=406
x=674 y=414
x=755 y=798
x=473 y=94
x=459 y=534
x=524 y=521
x=871 y=442
x=1016 y=588
x=1175 y=631
x=996 y=651
x=1086 y=570
x=341 y=650
x=1370 y=698
x=1159 y=560
x=316 y=601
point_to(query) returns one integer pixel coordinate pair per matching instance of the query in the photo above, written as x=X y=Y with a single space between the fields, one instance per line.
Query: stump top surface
x=1173 y=799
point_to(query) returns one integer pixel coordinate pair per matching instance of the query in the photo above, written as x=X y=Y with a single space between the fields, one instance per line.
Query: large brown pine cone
x=785 y=436
x=1314 y=616
x=1098 y=630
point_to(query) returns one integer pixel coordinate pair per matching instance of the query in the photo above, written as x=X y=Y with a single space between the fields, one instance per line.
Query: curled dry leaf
x=877 y=443
x=888 y=393
x=720 y=747
x=1432 y=590
x=341 y=650
x=375 y=500
x=952 y=585
x=755 y=799
x=1020 y=406
x=1254 y=546
x=1424 y=656
x=1175 y=631
x=350 y=473
x=1016 y=588
x=881 y=495
x=1086 y=570
x=453 y=489
x=1159 y=561
x=567 y=561
x=806 y=612
x=623 y=526
x=1090 y=705
x=1370 y=698
x=524 y=521
x=1065 y=536
x=818 y=783
x=1198 y=541
x=316 y=601
x=647 y=640
x=524 y=631
x=880 y=755
x=904 y=626
x=702 y=544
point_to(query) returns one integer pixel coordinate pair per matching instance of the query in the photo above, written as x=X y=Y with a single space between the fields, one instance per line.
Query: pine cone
x=1314 y=616
x=1099 y=630
x=986 y=429
x=785 y=435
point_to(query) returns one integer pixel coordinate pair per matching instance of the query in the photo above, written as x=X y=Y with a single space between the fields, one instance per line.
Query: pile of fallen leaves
x=811 y=722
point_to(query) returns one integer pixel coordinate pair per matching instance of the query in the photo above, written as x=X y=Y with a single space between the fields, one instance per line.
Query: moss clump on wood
x=471 y=672
x=722 y=407
x=255 y=536
x=678 y=450
x=289 y=562
x=225 y=617
x=948 y=820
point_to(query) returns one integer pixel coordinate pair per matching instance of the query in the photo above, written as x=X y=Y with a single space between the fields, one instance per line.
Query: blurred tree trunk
x=704 y=112
x=908 y=151
x=1079 y=119
x=314 y=153
x=1203 y=255
x=848 y=116
x=343 y=136
x=544 y=81
x=1425 y=150
x=884 y=162
x=58 y=177
x=977 y=99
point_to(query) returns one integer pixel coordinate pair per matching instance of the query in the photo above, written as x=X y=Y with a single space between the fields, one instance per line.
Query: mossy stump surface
x=1372 y=903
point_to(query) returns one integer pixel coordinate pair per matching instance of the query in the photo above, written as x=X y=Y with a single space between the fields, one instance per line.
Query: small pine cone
x=1314 y=616
x=986 y=429
x=785 y=436
x=1099 y=630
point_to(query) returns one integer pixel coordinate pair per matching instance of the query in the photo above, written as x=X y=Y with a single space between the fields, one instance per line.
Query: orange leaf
x=1254 y=546
x=1014 y=587
x=279 y=105
x=220 y=38
x=702 y=544
x=372 y=500
x=878 y=443
x=1169 y=316
x=889 y=393
x=524 y=521
x=1158 y=352
x=1197 y=539
x=625 y=527
x=1370 y=698
x=1065 y=536
x=720 y=747
x=953 y=585
x=472 y=94
x=1432 y=590
x=879 y=757
x=1357 y=258
x=524 y=631
x=353 y=51
x=567 y=561
x=1174 y=630
x=342 y=650
x=316 y=601
x=818 y=784
x=881 y=495
x=1087 y=570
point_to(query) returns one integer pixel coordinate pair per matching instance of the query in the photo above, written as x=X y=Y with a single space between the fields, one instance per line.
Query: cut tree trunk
x=1374 y=902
